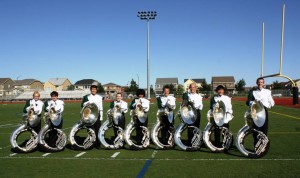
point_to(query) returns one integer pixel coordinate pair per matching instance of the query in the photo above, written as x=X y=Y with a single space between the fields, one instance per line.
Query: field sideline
x=283 y=159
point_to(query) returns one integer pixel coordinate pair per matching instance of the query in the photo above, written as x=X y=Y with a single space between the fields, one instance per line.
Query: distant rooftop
x=57 y=81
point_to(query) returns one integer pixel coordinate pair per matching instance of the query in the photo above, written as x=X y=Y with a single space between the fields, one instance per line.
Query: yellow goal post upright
x=294 y=85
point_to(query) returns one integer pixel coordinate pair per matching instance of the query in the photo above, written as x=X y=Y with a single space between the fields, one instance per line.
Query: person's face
x=141 y=96
x=193 y=88
x=36 y=97
x=93 y=91
x=119 y=97
x=167 y=91
x=260 y=84
x=54 y=98
x=220 y=92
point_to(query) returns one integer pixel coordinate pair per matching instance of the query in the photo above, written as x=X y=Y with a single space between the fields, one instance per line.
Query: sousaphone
x=137 y=113
x=255 y=115
x=59 y=140
x=113 y=117
x=187 y=114
x=216 y=119
x=88 y=117
x=30 y=120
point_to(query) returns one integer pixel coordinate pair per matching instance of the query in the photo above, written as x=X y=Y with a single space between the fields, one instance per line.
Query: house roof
x=222 y=79
x=57 y=81
x=198 y=80
x=166 y=80
x=85 y=82
x=25 y=82
x=3 y=80
x=111 y=84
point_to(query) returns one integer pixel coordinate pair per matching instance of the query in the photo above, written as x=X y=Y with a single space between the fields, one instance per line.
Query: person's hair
x=93 y=86
x=119 y=93
x=192 y=84
x=140 y=92
x=220 y=87
x=54 y=93
x=166 y=87
x=36 y=92
x=260 y=78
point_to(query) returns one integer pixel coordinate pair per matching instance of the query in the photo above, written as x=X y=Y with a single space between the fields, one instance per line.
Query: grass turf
x=283 y=159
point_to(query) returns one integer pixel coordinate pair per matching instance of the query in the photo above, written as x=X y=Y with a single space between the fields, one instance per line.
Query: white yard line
x=46 y=154
x=115 y=154
x=13 y=154
x=134 y=159
x=80 y=154
x=5 y=125
x=66 y=128
x=154 y=153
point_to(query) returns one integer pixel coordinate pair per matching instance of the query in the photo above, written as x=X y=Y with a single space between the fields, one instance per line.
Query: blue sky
x=105 y=40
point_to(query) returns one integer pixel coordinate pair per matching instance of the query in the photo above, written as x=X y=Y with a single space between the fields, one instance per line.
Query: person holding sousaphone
x=196 y=101
x=119 y=103
x=54 y=105
x=36 y=105
x=57 y=105
x=215 y=109
x=263 y=96
x=143 y=104
x=96 y=99
x=166 y=102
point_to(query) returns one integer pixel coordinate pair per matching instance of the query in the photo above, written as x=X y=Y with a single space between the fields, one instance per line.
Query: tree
x=151 y=90
x=179 y=90
x=240 y=85
x=100 y=88
x=71 y=87
x=205 y=86
x=133 y=86
x=276 y=85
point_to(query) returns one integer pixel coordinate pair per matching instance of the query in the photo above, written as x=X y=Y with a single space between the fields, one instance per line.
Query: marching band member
x=227 y=102
x=97 y=99
x=169 y=102
x=37 y=106
x=124 y=108
x=57 y=104
x=265 y=97
x=145 y=104
x=196 y=101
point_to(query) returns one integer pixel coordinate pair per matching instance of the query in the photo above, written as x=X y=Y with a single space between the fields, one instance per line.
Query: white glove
x=86 y=103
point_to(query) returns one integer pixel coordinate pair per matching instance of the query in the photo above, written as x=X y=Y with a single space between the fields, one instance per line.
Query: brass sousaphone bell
x=89 y=114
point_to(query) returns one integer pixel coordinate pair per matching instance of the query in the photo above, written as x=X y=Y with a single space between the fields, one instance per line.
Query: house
x=28 y=85
x=57 y=84
x=85 y=84
x=161 y=82
x=112 y=89
x=124 y=88
x=227 y=81
x=187 y=82
x=6 y=87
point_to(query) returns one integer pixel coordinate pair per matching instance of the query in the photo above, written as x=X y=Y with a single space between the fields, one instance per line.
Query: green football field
x=282 y=160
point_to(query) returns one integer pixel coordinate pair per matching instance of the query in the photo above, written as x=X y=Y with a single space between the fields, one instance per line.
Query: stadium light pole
x=147 y=15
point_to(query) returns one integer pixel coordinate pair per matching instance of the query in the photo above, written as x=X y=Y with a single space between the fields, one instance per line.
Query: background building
x=6 y=87
x=187 y=83
x=28 y=85
x=85 y=84
x=57 y=84
x=227 y=81
x=161 y=82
